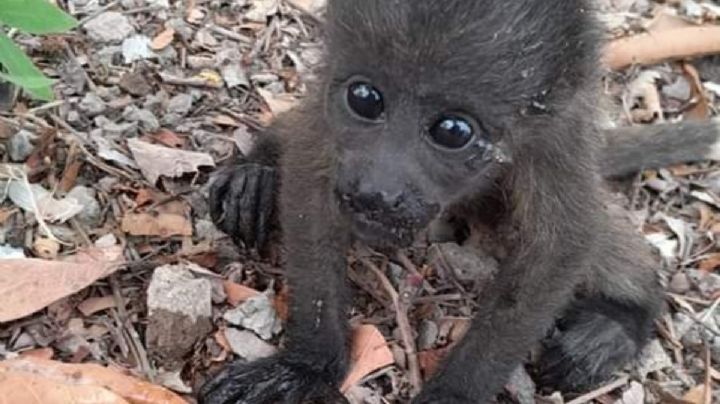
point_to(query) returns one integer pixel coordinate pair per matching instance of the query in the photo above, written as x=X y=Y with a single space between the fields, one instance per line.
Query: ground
x=117 y=263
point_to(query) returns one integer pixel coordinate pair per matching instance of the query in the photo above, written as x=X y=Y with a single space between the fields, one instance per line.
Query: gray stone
x=653 y=358
x=146 y=119
x=679 y=283
x=109 y=27
x=20 y=145
x=427 y=335
x=708 y=283
x=91 y=207
x=92 y=105
x=113 y=129
x=256 y=314
x=179 y=313
x=180 y=104
x=521 y=386
x=247 y=345
x=469 y=264
x=136 y=47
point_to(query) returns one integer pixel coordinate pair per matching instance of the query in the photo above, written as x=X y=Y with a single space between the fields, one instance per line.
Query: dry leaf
x=40 y=353
x=278 y=103
x=169 y=138
x=163 y=39
x=237 y=293
x=696 y=395
x=28 y=285
x=166 y=220
x=36 y=199
x=224 y=120
x=90 y=306
x=656 y=47
x=39 y=381
x=430 y=360
x=155 y=161
x=701 y=109
x=369 y=352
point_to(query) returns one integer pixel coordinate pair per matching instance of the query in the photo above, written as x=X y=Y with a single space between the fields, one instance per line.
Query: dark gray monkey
x=422 y=106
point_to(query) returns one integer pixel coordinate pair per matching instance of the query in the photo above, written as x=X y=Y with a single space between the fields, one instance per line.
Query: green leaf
x=35 y=16
x=21 y=70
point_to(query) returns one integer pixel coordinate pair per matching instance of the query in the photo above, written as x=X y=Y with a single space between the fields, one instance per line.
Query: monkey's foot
x=597 y=338
x=270 y=380
x=242 y=202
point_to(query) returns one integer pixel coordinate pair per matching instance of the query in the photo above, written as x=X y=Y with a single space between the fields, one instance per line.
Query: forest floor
x=108 y=255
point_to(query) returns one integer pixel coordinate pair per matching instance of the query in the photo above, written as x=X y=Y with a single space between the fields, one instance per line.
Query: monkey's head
x=428 y=101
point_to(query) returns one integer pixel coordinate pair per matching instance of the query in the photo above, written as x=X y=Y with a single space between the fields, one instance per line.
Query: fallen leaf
x=169 y=138
x=92 y=305
x=278 y=103
x=701 y=109
x=40 y=353
x=695 y=395
x=237 y=293
x=430 y=360
x=155 y=161
x=36 y=199
x=40 y=381
x=28 y=285
x=369 y=352
x=281 y=303
x=224 y=120
x=163 y=39
x=166 y=220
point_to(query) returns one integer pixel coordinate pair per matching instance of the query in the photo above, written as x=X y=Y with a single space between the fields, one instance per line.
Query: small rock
x=91 y=207
x=470 y=264
x=109 y=27
x=10 y=252
x=112 y=129
x=180 y=104
x=653 y=358
x=256 y=314
x=135 y=83
x=428 y=334
x=145 y=118
x=708 y=283
x=179 y=313
x=634 y=395
x=20 y=145
x=679 y=90
x=521 y=386
x=92 y=105
x=137 y=47
x=679 y=283
x=234 y=75
x=247 y=345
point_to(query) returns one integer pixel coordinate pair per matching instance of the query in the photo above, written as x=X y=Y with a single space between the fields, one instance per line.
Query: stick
x=585 y=398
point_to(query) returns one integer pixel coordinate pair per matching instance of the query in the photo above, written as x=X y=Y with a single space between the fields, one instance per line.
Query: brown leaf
x=155 y=161
x=224 y=120
x=163 y=39
x=696 y=395
x=281 y=303
x=278 y=103
x=710 y=263
x=237 y=293
x=169 y=138
x=40 y=353
x=369 y=352
x=40 y=381
x=29 y=285
x=701 y=109
x=166 y=220
x=93 y=305
x=430 y=360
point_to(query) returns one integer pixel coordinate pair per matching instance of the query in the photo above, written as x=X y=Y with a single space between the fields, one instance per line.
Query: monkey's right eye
x=365 y=101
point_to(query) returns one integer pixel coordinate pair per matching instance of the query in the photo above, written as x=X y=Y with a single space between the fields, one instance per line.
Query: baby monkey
x=479 y=108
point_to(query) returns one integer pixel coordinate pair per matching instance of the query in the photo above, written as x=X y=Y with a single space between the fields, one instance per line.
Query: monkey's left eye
x=365 y=101
x=452 y=132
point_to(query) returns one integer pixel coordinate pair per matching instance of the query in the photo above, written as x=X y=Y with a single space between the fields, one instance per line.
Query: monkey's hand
x=271 y=380
x=242 y=202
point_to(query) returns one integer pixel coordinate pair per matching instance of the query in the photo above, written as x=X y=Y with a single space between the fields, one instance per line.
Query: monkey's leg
x=316 y=241
x=613 y=318
x=243 y=195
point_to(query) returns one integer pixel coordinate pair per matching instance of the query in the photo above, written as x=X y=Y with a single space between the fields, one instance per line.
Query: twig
x=136 y=345
x=98 y=12
x=188 y=81
x=229 y=34
x=585 y=398
x=297 y=6
x=401 y=303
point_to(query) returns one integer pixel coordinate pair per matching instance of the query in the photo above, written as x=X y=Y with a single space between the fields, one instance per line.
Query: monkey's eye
x=365 y=100
x=452 y=132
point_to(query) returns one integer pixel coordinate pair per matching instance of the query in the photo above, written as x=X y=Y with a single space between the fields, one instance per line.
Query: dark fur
x=524 y=69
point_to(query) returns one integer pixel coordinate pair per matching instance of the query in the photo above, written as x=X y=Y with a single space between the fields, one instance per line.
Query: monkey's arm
x=242 y=194
x=555 y=237
x=634 y=148
x=314 y=360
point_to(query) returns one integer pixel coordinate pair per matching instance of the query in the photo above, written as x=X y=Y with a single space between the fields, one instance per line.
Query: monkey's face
x=396 y=173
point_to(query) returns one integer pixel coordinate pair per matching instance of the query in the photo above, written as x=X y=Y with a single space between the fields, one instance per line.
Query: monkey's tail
x=632 y=149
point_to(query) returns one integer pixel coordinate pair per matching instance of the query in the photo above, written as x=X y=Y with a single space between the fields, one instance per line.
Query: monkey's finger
x=230 y=204
x=218 y=190
x=265 y=206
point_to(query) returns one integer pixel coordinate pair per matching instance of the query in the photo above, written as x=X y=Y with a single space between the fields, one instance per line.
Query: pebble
x=109 y=27
x=135 y=83
x=180 y=104
x=92 y=105
x=679 y=283
x=20 y=145
x=90 y=214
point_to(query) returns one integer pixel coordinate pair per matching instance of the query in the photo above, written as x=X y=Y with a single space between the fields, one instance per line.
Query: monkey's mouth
x=387 y=226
